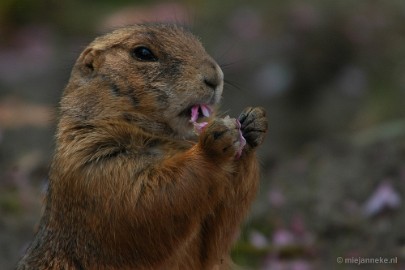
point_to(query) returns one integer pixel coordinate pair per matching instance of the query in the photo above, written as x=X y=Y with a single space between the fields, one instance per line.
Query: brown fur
x=131 y=186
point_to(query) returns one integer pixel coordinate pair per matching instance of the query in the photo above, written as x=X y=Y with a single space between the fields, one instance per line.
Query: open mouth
x=198 y=115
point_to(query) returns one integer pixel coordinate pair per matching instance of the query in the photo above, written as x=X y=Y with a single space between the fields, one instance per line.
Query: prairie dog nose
x=212 y=75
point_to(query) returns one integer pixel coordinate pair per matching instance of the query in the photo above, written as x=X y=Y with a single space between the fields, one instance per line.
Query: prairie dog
x=145 y=176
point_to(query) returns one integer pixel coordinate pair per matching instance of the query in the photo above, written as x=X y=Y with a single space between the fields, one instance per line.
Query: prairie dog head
x=155 y=76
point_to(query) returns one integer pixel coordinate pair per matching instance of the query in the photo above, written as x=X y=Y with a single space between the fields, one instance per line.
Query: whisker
x=226 y=65
x=234 y=85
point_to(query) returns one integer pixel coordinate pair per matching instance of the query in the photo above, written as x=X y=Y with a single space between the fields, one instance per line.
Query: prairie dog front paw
x=223 y=137
x=254 y=125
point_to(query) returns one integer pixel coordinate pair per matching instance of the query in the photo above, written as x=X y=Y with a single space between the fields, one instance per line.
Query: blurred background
x=331 y=75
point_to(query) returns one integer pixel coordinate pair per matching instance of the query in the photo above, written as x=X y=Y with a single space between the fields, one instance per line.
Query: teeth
x=195 y=112
x=205 y=110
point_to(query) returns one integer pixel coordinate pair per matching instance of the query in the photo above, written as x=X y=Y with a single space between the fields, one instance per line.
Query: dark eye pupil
x=144 y=54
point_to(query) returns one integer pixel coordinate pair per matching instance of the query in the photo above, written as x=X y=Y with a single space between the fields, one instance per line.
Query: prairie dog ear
x=90 y=60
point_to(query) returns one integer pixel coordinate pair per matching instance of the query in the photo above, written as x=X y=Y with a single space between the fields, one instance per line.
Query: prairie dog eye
x=143 y=53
